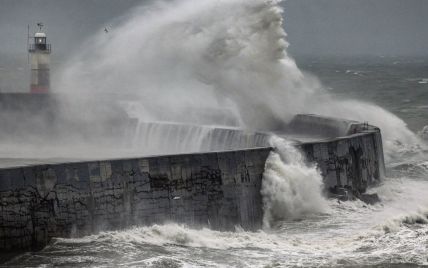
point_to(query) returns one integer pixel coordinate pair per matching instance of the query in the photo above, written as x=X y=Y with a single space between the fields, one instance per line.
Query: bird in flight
x=40 y=25
x=105 y=30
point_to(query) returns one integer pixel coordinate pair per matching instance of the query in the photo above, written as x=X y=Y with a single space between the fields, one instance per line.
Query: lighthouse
x=40 y=52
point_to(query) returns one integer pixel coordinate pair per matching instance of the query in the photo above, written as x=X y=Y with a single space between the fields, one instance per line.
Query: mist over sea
x=235 y=53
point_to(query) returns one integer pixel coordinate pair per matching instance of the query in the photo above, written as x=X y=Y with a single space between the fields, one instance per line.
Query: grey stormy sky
x=315 y=27
x=358 y=27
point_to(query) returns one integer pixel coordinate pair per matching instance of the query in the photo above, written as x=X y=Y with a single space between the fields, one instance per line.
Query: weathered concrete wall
x=220 y=190
x=354 y=161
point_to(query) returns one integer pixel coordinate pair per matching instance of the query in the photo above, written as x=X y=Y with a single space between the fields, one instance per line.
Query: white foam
x=291 y=188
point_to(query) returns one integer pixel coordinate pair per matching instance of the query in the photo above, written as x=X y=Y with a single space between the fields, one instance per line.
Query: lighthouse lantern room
x=40 y=52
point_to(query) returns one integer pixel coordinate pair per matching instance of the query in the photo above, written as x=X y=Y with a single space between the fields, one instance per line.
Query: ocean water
x=397 y=84
x=393 y=233
x=235 y=51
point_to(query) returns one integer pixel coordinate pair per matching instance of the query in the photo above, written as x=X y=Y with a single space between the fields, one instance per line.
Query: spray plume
x=196 y=54
x=291 y=189
x=226 y=54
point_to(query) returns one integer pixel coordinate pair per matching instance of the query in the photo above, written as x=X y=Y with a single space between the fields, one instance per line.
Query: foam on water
x=352 y=233
x=424 y=133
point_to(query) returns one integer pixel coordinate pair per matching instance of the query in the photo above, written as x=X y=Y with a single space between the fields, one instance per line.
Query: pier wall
x=354 y=162
x=219 y=189
x=354 y=159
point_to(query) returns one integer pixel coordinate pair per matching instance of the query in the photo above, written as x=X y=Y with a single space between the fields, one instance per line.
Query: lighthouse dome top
x=40 y=35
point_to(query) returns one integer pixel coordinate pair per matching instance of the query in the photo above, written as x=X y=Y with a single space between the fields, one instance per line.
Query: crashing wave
x=291 y=188
x=213 y=54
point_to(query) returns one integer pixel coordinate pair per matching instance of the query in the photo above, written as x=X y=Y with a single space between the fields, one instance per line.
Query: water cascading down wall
x=218 y=189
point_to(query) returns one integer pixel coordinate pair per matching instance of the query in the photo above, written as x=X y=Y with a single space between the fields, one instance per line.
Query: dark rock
x=342 y=193
x=370 y=199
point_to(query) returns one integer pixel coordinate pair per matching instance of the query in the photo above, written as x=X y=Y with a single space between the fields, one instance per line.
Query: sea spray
x=196 y=54
x=181 y=56
x=291 y=188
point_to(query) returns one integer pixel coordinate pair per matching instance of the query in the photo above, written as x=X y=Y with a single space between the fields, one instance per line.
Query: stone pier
x=219 y=190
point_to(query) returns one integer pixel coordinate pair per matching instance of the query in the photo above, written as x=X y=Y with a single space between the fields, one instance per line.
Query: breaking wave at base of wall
x=291 y=188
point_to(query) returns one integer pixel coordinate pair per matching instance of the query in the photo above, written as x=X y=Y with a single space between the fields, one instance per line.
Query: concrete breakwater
x=215 y=189
x=353 y=159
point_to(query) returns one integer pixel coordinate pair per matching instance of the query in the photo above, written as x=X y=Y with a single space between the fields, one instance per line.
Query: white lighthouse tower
x=40 y=52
